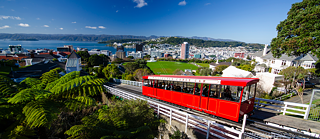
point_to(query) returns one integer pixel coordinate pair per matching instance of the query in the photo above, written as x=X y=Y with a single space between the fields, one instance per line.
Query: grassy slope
x=166 y=67
x=203 y=64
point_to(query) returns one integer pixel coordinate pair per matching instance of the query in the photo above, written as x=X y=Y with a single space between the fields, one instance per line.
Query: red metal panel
x=167 y=95
x=176 y=97
x=213 y=106
x=187 y=100
x=228 y=110
x=196 y=101
x=160 y=93
x=204 y=103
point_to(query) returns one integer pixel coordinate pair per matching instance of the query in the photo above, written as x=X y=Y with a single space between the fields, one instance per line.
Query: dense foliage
x=33 y=105
x=299 y=33
x=203 y=43
x=132 y=119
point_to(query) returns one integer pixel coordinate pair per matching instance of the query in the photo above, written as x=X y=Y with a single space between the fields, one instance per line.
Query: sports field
x=204 y=64
x=167 y=68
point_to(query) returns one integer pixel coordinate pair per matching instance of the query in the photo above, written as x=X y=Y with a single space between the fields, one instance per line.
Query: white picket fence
x=210 y=127
x=282 y=106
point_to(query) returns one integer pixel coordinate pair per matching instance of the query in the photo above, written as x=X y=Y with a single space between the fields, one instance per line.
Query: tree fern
x=30 y=82
x=51 y=75
x=28 y=95
x=40 y=113
x=63 y=79
x=7 y=86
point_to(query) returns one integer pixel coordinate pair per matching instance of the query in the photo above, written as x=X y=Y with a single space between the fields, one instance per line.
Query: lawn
x=167 y=68
x=203 y=64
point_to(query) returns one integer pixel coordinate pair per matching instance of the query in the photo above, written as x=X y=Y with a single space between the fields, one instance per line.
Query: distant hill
x=207 y=38
x=71 y=37
x=82 y=37
x=209 y=43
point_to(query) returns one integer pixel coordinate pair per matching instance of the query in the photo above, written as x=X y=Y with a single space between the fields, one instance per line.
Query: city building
x=73 y=63
x=239 y=55
x=156 y=54
x=139 y=47
x=15 y=48
x=197 y=56
x=136 y=55
x=121 y=54
x=65 y=48
x=120 y=47
x=184 y=50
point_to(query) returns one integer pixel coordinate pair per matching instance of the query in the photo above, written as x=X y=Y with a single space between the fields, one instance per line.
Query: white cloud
x=140 y=3
x=9 y=17
x=117 y=11
x=182 y=3
x=74 y=22
x=102 y=27
x=61 y=28
x=4 y=27
x=23 y=25
x=38 y=18
x=45 y=26
x=91 y=27
x=207 y=4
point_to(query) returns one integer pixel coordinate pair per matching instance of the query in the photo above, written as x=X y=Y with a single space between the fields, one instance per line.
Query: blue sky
x=252 y=21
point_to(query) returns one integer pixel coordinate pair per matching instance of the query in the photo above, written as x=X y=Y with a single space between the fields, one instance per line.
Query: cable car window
x=214 y=91
x=178 y=87
x=147 y=82
x=205 y=90
x=248 y=92
x=196 y=89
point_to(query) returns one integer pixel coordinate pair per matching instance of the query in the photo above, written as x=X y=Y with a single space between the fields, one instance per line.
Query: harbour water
x=53 y=44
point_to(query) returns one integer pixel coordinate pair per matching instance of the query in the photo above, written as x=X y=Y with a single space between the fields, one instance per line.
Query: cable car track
x=251 y=126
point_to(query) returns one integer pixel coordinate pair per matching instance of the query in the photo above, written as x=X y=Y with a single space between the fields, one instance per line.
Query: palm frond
x=41 y=113
x=28 y=94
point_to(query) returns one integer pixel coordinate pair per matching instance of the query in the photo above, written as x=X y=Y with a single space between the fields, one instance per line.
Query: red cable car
x=226 y=97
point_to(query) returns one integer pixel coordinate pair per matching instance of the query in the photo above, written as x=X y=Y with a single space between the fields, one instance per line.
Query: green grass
x=167 y=68
x=203 y=64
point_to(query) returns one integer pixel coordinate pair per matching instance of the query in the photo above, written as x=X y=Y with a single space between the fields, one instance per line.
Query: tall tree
x=84 y=55
x=141 y=72
x=299 y=33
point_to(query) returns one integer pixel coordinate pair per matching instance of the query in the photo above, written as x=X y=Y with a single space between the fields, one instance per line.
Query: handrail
x=305 y=107
x=189 y=120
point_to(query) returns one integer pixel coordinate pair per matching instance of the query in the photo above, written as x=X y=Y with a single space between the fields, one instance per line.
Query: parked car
x=308 y=84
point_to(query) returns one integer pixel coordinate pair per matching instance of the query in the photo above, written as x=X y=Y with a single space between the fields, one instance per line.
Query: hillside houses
x=265 y=59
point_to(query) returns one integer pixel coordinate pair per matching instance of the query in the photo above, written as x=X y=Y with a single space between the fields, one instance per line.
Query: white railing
x=284 y=107
x=134 y=83
x=210 y=127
